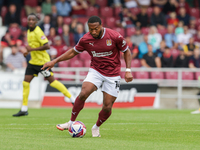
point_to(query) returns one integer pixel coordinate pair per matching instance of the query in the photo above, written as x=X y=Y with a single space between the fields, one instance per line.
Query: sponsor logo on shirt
x=43 y=37
x=103 y=54
x=108 y=42
x=92 y=44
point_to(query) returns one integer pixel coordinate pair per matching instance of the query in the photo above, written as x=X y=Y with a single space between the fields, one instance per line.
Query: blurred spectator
x=126 y=18
x=30 y=6
x=189 y=48
x=1 y=4
x=143 y=47
x=52 y=35
x=159 y=3
x=158 y=18
x=59 y=25
x=46 y=25
x=172 y=19
x=170 y=6
x=54 y=15
x=79 y=7
x=194 y=61
x=59 y=47
x=183 y=38
x=130 y=3
x=161 y=50
x=39 y=14
x=142 y=19
x=12 y=18
x=179 y=28
x=182 y=61
x=115 y=3
x=46 y=7
x=197 y=37
x=183 y=16
x=132 y=47
x=150 y=59
x=144 y=3
x=6 y=40
x=15 y=60
x=167 y=59
x=182 y=3
x=79 y=32
x=138 y=37
x=154 y=38
x=73 y=24
x=193 y=26
x=170 y=37
x=63 y=8
x=66 y=36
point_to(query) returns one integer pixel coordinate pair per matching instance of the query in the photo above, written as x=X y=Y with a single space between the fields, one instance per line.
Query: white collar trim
x=104 y=31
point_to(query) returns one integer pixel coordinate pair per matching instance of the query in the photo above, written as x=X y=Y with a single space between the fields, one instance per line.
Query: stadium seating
x=149 y=11
x=15 y=32
x=91 y=11
x=67 y=20
x=162 y=31
x=171 y=75
x=102 y=3
x=175 y=53
x=4 y=10
x=76 y=63
x=83 y=20
x=145 y=30
x=24 y=22
x=157 y=75
x=135 y=63
x=194 y=12
x=23 y=13
x=141 y=75
x=32 y=3
x=67 y=73
x=135 y=10
x=106 y=12
x=120 y=30
x=63 y=64
x=86 y=63
x=117 y=10
x=187 y=76
x=130 y=31
x=110 y=22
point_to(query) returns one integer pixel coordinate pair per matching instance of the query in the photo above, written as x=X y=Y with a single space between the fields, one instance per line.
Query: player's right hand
x=48 y=65
x=25 y=53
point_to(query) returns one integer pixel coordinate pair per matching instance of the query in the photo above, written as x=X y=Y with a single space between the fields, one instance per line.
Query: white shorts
x=110 y=85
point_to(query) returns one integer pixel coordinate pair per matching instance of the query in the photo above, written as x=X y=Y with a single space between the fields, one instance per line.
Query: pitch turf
x=126 y=129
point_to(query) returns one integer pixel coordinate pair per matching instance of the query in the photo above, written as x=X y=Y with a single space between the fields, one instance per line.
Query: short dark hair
x=34 y=15
x=94 y=19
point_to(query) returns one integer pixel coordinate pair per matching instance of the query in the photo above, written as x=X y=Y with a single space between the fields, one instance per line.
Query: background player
x=104 y=46
x=37 y=45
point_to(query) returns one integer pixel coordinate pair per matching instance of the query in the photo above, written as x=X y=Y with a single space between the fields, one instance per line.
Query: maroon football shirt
x=104 y=52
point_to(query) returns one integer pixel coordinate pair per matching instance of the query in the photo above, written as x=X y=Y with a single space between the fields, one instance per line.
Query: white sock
x=95 y=126
x=24 y=108
x=70 y=122
x=72 y=99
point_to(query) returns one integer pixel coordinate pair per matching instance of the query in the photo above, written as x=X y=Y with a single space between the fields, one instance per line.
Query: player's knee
x=83 y=95
x=107 y=108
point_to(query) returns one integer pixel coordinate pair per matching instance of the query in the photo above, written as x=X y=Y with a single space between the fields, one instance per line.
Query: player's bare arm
x=44 y=47
x=66 y=56
x=127 y=58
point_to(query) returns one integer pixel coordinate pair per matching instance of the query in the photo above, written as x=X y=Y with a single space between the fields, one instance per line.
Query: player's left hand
x=128 y=77
x=28 y=48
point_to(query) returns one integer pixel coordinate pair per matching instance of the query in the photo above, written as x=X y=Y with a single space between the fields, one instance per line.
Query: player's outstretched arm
x=127 y=58
x=43 y=47
x=66 y=56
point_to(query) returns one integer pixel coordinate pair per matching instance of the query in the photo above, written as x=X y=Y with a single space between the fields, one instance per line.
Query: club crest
x=108 y=42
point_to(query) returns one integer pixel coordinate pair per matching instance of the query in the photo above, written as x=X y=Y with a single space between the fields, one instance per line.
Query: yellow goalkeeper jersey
x=36 y=38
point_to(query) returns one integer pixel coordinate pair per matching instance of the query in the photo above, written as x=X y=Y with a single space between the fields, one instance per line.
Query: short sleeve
x=79 y=47
x=41 y=37
x=121 y=43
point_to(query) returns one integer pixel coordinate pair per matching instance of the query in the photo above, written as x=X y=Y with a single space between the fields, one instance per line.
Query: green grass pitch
x=126 y=129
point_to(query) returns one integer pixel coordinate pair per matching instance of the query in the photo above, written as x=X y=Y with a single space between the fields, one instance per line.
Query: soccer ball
x=77 y=129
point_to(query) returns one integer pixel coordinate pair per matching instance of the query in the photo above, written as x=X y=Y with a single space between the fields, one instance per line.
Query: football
x=77 y=129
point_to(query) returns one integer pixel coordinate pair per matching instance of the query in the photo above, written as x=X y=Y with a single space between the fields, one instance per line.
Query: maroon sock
x=78 y=106
x=103 y=116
